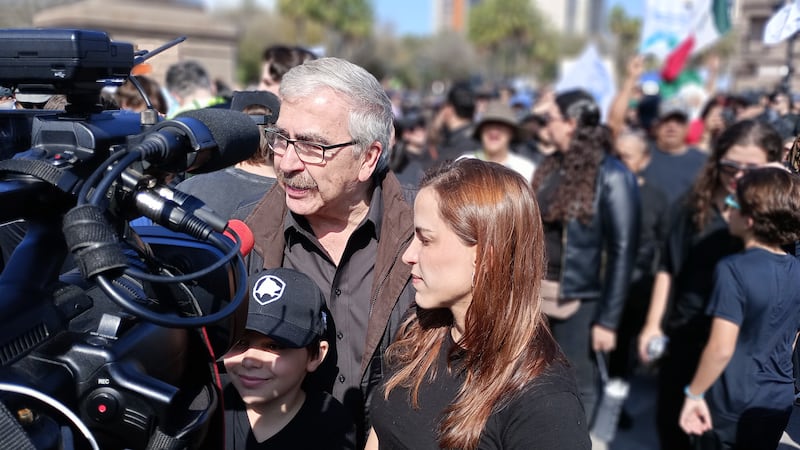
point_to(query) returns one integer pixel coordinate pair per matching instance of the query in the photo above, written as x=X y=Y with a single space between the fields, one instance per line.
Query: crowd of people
x=450 y=275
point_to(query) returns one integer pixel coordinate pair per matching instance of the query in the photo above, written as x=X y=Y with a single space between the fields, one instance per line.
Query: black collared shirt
x=348 y=292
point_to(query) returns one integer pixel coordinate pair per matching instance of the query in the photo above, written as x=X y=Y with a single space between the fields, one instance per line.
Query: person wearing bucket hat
x=266 y=406
x=497 y=131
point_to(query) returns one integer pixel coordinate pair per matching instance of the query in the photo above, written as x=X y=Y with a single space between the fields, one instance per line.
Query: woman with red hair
x=476 y=366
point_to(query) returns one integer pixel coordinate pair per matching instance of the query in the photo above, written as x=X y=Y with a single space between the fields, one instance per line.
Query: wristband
x=691 y=396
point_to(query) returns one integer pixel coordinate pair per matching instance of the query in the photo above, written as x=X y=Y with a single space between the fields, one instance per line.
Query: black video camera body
x=121 y=354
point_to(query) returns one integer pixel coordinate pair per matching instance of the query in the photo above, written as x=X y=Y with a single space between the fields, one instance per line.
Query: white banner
x=590 y=72
x=665 y=24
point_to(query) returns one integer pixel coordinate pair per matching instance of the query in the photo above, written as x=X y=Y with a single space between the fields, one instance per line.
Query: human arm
x=372 y=440
x=712 y=64
x=603 y=339
x=695 y=416
x=621 y=216
x=619 y=106
x=655 y=313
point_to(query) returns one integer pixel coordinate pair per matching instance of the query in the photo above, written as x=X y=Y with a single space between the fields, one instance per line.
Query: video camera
x=120 y=351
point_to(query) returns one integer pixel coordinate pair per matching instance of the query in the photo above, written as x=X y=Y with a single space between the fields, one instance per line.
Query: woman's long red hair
x=507 y=342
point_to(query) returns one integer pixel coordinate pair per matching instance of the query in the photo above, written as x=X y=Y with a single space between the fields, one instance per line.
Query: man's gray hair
x=370 y=117
x=185 y=77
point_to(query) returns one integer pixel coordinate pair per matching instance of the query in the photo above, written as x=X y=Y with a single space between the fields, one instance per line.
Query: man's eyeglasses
x=308 y=152
x=731 y=168
x=731 y=202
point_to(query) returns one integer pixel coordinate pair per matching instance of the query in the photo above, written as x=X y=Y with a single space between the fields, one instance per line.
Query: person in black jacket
x=590 y=209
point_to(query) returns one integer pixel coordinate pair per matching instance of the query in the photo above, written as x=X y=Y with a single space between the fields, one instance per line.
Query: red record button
x=102 y=407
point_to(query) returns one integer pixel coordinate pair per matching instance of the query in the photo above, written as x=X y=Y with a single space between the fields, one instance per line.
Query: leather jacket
x=598 y=258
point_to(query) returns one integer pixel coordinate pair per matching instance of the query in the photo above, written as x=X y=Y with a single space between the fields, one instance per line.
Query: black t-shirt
x=690 y=257
x=321 y=422
x=674 y=174
x=652 y=232
x=548 y=415
x=223 y=190
x=760 y=292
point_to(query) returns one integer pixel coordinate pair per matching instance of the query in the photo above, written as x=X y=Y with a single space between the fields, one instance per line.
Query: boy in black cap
x=265 y=405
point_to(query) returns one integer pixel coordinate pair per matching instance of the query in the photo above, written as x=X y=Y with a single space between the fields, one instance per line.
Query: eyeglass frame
x=726 y=166
x=322 y=147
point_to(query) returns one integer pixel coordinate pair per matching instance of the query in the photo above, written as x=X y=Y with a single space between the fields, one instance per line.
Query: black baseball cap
x=287 y=306
x=268 y=100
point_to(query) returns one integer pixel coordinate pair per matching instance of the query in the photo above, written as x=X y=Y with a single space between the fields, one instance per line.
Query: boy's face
x=738 y=225
x=264 y=371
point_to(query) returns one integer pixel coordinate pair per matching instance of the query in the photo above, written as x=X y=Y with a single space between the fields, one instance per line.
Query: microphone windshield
x=244 y=233
x=236 y=135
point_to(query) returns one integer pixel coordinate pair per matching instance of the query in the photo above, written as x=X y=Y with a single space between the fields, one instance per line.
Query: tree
x=348 y=22
x=513 y=36
x=447 y=56
x=627 y=31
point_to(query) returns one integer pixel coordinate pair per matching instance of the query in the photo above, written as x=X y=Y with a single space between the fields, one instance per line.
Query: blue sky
x=415 y=16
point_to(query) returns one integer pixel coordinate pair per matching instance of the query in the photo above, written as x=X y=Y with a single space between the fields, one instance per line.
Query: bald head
x=633 y=150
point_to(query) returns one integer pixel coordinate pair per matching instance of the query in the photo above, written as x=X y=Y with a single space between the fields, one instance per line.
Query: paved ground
x=641 y=435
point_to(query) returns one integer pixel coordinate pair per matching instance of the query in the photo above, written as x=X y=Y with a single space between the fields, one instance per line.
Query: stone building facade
x=150 y=24
x=756 y=66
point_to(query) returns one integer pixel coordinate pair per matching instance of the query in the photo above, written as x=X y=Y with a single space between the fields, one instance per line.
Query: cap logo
x=268 y=289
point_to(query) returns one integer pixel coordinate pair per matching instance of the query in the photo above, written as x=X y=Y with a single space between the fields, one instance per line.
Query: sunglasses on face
x=731 y=168
x=730 y=201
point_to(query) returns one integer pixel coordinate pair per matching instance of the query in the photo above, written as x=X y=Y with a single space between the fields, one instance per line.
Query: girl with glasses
x=697 y=239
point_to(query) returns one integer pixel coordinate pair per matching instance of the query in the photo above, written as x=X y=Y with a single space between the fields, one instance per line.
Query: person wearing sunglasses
x=741 y=395
x=697 y=239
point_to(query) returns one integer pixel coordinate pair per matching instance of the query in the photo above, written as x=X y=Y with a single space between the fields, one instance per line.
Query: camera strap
x=163 y=441
x=43 y=170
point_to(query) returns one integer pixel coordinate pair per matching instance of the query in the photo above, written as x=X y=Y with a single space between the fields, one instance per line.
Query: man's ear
x=313 y=363
x=369 y=161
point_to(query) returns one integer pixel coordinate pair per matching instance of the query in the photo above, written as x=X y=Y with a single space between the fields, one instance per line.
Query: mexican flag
x=711 y=20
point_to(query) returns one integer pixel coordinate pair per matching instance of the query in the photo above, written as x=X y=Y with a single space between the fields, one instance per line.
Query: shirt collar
x=296 y=222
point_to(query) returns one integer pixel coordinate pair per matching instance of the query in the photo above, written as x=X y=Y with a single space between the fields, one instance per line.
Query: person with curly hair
x=475 y=365
x=698 y=238
x=742 y=393
x=590 y=209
